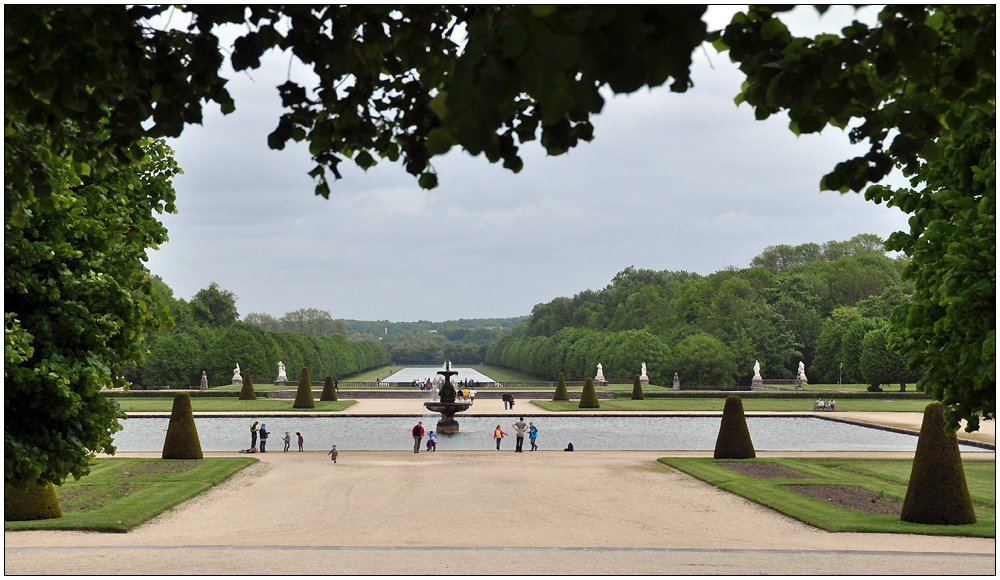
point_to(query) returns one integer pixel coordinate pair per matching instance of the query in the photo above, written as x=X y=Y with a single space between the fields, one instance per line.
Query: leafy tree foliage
x=214 y=307
x=703 y=359
x=77 y=298
x=881 y=367
x=949 y=328
x=851 y=347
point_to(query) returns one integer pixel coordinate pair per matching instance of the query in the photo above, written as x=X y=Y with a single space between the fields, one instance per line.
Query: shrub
x=734 y=437
x=247 y=393
x=37 y=502
x=588 y=400
x=637 y=390
x=304 y=396
x=329 y=393
x=704 y=360
x=937 y=492
x=561 y=393
x=182 y=440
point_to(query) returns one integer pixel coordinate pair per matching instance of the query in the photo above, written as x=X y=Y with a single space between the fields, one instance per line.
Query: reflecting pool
x=586 y=433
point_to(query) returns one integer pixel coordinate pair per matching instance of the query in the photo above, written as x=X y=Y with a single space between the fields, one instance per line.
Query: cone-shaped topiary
x=329 y=393
x=561 y=393
x=637 y=390
x=247 y=393
x=734 y=438
x=447 y=392
x=937 y=493
x=304 y=396
x=37 y=502
x=588 y=399
x=182 y=435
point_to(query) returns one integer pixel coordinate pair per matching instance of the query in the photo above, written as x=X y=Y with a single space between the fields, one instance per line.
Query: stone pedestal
x=281 y=383
x=756 y=384
x=798 y=383
x=447 y=424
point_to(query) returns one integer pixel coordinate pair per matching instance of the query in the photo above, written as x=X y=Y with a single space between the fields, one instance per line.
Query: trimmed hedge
x=304 y=395
x=37 y=502
x=937 y=492
x=561 y=393
x=734 y=437
x=247 y=393
x=588 y=398
x=182 y=440
x=329 y=393
x=637 y=390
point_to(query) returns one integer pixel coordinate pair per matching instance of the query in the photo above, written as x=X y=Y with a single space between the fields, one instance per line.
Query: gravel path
x=476 y=512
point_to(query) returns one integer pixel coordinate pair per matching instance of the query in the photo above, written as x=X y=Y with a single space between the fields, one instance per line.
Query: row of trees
x=178 y=356
x=714 y=327
x=304 y=320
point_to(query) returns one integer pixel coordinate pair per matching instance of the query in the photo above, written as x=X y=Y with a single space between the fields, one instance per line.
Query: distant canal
x=586 y=433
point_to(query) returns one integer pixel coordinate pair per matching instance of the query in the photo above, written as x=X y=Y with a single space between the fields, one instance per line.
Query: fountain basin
x=447 y=424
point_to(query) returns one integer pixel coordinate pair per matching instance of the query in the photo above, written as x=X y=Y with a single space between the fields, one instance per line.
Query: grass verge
x=888 y=477
x=209 y=404
x=716 y=404
x=121 y=494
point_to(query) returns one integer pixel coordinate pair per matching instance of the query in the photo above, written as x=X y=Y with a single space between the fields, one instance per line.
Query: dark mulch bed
x=766 y=470
x=176 y=467
x=852 y=498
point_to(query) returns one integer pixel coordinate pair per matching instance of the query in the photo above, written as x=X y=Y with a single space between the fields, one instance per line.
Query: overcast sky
x=671 y=181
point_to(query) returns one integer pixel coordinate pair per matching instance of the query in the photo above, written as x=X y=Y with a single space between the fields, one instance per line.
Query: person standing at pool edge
x=263 y=439
x=301 y=440
x=418 y=436
x=532 y=435
x=288 y=441
x=519 y=428
x=498 y=434
x=253 y=435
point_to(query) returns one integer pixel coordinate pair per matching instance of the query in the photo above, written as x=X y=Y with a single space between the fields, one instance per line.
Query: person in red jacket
x=418 y=435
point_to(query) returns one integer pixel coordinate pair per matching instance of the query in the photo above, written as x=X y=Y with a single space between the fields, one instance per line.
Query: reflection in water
x=586 y=433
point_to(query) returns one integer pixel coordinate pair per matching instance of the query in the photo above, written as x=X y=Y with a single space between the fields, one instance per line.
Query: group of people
x=508 y=399
x=819 y=405
x=520 y=428
x=262 y=433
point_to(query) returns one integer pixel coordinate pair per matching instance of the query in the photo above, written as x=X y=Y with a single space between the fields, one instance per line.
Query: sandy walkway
x=481 y=513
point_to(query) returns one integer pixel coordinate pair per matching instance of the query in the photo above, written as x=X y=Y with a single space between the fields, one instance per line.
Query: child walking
x=333 y=454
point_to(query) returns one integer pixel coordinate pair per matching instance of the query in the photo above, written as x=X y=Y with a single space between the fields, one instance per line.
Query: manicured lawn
x=120 y=494
x=207 y=404
x=879 y=476
x=716 y=404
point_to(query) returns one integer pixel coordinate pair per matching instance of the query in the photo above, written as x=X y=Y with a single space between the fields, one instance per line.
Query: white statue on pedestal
x=204 y=380
x=802 y=372
x=600 y=374
x=236 y=375
x=281 y=372
x=643 y=378
x=756 y=370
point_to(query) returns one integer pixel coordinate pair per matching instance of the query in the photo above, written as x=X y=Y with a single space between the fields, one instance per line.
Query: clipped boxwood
x=36 y=502
x=588 y=399
x=937 y=492
x=304 y=395
x=329 y=393
x=734 y=437
x=247 y=393
x=182 y=440
x=637 y=390
x=561 y=394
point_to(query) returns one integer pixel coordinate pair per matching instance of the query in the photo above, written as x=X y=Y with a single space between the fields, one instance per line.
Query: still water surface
x=594 y=433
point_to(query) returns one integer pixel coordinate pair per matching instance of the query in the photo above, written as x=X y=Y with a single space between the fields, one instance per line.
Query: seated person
x=830 y=406
x=569 y=447
x=820 y=405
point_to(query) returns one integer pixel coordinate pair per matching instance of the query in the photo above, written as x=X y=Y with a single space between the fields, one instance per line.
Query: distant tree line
x=304 y=320
x=826 y=305
x=208 y=336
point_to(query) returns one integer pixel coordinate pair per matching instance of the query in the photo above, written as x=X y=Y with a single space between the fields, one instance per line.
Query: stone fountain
x=447 y=405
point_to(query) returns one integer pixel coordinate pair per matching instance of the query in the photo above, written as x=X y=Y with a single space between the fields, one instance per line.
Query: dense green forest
x=208 y=335
x=826 y=305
